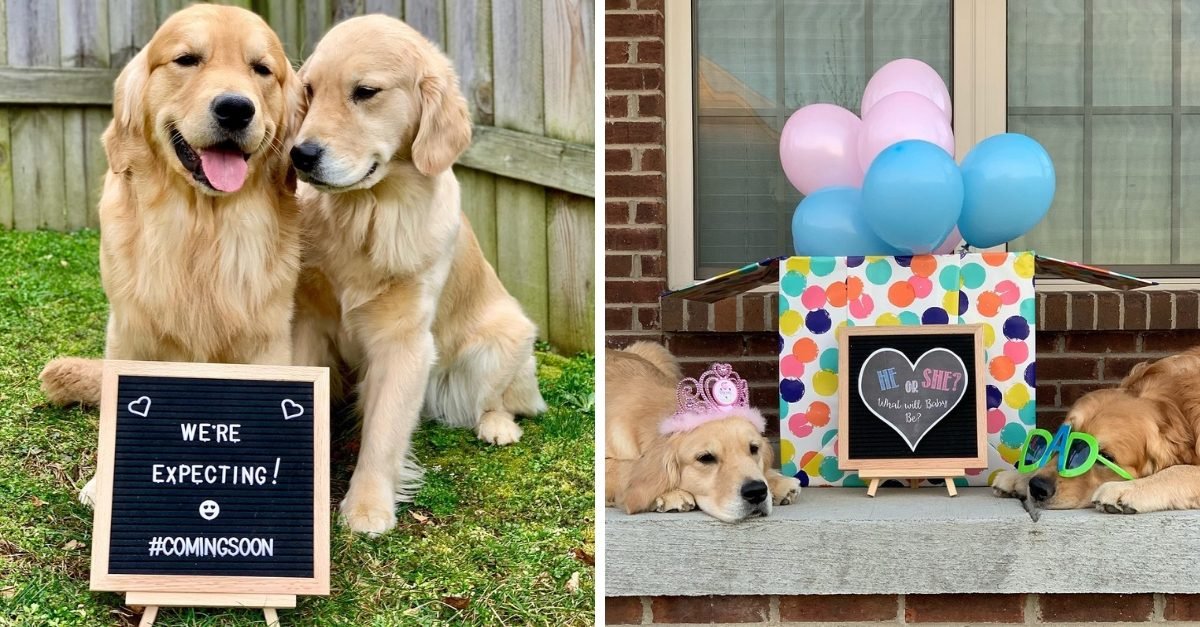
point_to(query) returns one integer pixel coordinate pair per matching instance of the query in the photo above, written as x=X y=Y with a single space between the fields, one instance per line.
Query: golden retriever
x=1148 y=425
x=200 y=250
x=395 y=284
x=724 y=467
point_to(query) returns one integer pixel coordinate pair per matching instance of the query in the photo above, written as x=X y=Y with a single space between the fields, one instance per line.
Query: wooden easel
x=269 y=603
x=914 y=477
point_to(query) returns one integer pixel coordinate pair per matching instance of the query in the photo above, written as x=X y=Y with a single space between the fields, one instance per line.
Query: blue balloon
x=1008 y=186
x=913 y=195
x=829 y=223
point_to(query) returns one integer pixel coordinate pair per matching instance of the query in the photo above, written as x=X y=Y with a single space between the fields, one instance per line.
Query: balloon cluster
x=888 y=184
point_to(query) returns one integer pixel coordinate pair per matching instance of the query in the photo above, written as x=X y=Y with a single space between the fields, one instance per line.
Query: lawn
x=496 y=536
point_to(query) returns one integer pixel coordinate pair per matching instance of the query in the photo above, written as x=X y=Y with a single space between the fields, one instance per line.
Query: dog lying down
x=1123 y=451
x=699 y=448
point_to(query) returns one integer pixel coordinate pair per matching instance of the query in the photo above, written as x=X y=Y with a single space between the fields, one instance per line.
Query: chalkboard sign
x=911 y=400
x=212 y=478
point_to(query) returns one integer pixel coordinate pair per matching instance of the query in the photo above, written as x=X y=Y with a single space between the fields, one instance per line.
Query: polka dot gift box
x=819 y=295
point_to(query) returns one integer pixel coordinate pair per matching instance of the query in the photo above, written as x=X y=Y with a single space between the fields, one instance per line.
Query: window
x=1110 y=88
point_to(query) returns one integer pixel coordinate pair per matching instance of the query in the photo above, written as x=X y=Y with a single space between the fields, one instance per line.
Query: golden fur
x=645 y=470
x=192 y=273
x=395 y=285
x=1148 y=425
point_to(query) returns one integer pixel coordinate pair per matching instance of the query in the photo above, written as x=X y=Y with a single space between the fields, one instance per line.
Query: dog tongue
x=225 y=169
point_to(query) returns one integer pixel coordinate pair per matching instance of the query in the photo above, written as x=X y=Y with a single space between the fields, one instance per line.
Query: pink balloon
x=950 y=244
x=906 y=75
x=819 y=148
x=898 y=117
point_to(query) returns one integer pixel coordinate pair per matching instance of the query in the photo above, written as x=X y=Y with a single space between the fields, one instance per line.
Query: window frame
x=979 y=64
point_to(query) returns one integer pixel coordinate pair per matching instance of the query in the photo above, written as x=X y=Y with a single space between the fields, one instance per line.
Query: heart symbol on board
x=140 y=406
x=912 y=398
x=291 y=409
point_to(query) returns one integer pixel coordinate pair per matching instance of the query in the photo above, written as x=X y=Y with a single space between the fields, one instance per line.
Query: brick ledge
x=1100 y=310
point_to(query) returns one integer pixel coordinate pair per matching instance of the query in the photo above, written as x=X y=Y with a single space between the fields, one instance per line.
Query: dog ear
x=125 y=138
x=445 y=127
x=295 y=106
x=655 y=473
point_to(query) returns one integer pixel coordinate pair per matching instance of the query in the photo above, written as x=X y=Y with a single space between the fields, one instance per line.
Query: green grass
x=494 y=537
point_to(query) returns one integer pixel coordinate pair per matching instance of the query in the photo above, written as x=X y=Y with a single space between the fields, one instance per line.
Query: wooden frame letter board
x=911 y=402
x=212 y=484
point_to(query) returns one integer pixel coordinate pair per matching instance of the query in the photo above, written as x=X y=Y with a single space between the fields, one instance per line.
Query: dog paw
x=785 y=490
x=1009 y=484
x=369 y=507
x=87 y=495
x=1115 y=497
x=371 y=519
x=498 y=428
x=675 y=501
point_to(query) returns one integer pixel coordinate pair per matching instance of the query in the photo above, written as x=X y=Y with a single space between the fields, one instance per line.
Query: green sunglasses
x=1077 y=452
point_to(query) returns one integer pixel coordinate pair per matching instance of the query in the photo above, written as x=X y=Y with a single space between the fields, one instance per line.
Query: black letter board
x=911 y=398
x=212 y=473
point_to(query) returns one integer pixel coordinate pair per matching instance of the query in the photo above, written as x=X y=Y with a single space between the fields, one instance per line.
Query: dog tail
x=658 y=356
x=67 y=380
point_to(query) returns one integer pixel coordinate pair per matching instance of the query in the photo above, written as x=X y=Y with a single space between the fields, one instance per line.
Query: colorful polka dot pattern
x=821 y=294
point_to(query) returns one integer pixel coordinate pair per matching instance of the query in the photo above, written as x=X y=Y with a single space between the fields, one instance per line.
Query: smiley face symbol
x=209 y=510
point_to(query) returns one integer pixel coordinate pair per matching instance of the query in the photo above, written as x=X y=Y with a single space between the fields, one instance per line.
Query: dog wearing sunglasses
x=1131 y=449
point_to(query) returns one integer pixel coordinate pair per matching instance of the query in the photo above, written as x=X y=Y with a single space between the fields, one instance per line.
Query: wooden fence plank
x=520 y=206
x=469 y=26
x=37 y=134
x=65 y=86
x=521 y=246
x=316 y=18
x=571 y=250
x=164 y=8
x=131 y=23
x=528 y=157
x=568 y=44
x=6 y=206
x=346 y=9
x=83 y=41
x=6 y=172
x=517 y=65
x=394 y=8
x=95 y=120
x=479 y=203
x=568 y=41
x=427 y=16
x=284 y=18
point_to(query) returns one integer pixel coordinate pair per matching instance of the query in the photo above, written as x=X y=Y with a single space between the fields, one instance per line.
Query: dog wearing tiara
x=674 y=444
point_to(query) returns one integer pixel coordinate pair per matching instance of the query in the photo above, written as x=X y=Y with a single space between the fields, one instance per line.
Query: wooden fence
x=526 y=68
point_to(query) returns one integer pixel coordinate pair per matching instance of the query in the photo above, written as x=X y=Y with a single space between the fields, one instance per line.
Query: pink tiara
x=719 y=393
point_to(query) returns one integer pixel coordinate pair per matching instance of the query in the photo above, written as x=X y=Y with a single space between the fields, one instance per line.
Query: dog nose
x=754 y=492
x=1041 y=488
x=233 y=112
x=306 y=155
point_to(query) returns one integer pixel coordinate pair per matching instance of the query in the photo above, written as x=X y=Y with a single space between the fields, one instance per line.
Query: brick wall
x=635 y=220
x=905 y=609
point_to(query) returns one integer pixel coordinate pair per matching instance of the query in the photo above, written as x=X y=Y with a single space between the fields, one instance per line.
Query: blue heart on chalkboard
x=140 y=406
x=291 y=409
x=912 y=399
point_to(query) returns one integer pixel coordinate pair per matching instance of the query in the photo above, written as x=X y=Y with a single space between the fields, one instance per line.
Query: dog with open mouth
x=673 y=444
x=200 y=246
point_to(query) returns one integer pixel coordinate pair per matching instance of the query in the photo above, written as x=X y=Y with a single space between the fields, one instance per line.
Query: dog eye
x=363 y=92
x=187 y=60
x=308 y=90
x=1106 y=455
x=261 y=69
x=707 y=458
x=754 y=449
